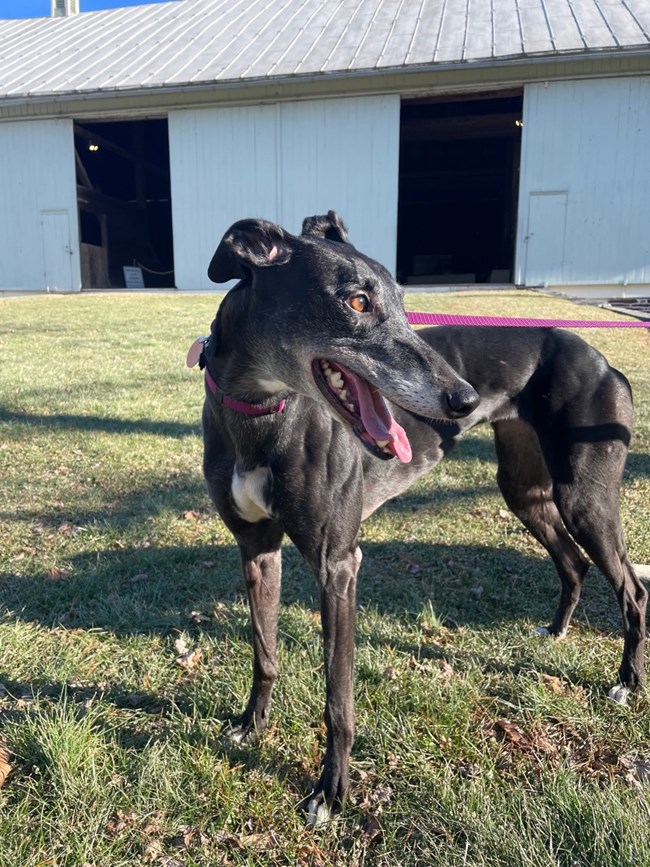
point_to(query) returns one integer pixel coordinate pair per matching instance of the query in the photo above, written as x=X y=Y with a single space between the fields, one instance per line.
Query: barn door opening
x=458 y=187
x=124 y=199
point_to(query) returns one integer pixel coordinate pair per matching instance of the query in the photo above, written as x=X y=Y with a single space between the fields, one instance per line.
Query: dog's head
x=319 y=318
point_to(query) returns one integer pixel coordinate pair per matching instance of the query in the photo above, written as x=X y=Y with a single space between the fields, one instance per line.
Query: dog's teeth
x=323 y=364
x=382 y=443
x=336 y=379
x=343 y=394
x=350 y=406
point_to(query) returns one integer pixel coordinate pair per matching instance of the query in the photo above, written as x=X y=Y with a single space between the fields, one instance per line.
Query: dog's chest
x=251 y=493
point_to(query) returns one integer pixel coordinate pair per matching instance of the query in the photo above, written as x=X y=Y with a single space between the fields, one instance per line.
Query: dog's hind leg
x=261 y=564
x=527 y=488
x=589 y=505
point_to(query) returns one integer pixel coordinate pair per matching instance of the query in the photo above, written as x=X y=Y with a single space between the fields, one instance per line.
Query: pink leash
x=196 y=350
x=514 y=322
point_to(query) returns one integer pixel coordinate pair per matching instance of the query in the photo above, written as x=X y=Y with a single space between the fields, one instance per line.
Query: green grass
x=477 y=744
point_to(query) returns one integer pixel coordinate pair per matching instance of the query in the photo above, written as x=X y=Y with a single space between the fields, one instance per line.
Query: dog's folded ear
x=329 y=226
x=248 y=244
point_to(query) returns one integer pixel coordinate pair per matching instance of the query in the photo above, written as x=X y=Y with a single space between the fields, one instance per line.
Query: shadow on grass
x=118 y=510
x=155 y=590
x=145 y=590
x=638 y=464
x=101 y=424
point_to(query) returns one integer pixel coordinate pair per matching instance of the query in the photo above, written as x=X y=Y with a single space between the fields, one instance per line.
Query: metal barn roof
x=203 y=42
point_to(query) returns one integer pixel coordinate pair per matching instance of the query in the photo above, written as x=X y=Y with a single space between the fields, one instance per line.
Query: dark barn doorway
x=458 y=186
x=124 y=199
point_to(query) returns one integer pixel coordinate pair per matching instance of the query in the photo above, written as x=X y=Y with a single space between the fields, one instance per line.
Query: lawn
x=124 y=644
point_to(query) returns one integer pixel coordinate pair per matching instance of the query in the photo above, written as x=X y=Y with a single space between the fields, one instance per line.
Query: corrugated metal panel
x=223 y=168
x=39 y=243
x=283 y=163
x=343 y=154
x=203 y=41
x=585 y=154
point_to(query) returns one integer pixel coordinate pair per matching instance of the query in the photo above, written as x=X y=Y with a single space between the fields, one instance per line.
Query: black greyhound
x=299 y=440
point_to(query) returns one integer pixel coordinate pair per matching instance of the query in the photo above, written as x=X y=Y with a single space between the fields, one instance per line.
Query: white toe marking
x=318 y=814
x=237 y=736
x=619 y=694
x=544 y=630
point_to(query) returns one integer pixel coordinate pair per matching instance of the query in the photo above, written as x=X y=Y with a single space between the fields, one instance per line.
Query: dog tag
x=194 y=352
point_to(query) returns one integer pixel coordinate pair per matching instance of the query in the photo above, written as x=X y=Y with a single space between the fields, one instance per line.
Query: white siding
x=39 y=234
x=584 y=196
x=283 y=163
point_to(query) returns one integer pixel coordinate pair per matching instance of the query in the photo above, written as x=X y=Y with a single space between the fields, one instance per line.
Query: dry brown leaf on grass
x=554 y=684
x=638 y=774
x=371 y=831
x=191 y=515
x=154 y=826
x=123 y=819
x=510 y=732
x=153 y=852
x=446 y=670
x=186 y=658
x=5 y=765
x=309 y=855
x=258 y=842
x=187 y=838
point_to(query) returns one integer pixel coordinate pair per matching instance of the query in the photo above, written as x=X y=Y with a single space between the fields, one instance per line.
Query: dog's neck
x=236 y=380
x=242 y=407
x=237 y=369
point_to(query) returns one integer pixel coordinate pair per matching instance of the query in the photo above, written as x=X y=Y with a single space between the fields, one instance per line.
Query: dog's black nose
x=463 y=401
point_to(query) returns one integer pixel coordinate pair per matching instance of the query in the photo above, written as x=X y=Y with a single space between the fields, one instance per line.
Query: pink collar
x=239 y=405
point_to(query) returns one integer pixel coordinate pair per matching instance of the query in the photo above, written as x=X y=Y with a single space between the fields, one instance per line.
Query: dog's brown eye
x=360 y=303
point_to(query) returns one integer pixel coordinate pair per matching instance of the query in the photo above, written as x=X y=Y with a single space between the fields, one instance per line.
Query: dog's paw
x=318 y=812
x=619 y=693
x=544 y=631
x=240 y=735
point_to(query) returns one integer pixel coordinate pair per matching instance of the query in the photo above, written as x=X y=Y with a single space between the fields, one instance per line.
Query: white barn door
x=39 y=232
x=283 y=162
x=545 y=238
x=57 y=252
x=588 y=141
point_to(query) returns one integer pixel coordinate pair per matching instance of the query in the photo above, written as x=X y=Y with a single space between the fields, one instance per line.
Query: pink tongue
x=379 y=423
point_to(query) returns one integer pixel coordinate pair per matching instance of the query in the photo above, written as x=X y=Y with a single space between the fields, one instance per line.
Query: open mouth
x=361 y=406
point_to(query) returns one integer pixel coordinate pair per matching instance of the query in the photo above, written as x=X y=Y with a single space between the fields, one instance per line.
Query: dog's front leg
x=261 y=564
x=338 y=578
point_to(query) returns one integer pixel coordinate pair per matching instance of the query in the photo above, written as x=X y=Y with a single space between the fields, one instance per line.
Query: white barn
x=462 y=142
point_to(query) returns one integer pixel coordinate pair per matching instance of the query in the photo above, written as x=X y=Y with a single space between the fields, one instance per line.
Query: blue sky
x=36 y=8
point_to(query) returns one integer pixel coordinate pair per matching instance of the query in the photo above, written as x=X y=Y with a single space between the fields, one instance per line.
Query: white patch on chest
x=250 y=491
